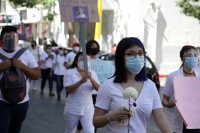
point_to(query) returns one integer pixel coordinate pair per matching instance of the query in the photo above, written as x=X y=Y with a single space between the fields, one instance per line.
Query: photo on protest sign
x=80 y=14
x=78 y=10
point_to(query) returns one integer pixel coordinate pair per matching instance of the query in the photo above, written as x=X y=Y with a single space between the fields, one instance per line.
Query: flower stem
x=129 y=111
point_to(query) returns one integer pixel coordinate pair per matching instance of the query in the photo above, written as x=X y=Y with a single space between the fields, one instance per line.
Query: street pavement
x=45 y=114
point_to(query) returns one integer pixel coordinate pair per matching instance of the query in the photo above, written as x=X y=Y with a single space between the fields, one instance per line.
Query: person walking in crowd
x=92 y=49
x=189 y=58
x=36 y=53
x=13 y=115
x=47 y=61
x=70 y=56
x=79 y=85
x=130 y=72
x=59 y=69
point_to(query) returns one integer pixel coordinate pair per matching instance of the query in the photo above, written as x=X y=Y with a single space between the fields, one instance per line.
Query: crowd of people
x=89 y=104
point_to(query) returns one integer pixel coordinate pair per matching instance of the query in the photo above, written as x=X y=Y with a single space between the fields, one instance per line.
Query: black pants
x=79 y=127
x=59 y=84
x=12 y=116
x=185 y=130
x=45 y=75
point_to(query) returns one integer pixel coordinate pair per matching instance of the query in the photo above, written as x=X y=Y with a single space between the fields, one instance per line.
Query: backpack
x=13 y=82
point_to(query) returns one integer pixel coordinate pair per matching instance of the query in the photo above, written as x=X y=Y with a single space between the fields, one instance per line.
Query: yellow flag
x=97 y=33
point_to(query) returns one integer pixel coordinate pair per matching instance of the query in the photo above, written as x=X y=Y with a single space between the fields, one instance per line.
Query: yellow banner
x=97 y=34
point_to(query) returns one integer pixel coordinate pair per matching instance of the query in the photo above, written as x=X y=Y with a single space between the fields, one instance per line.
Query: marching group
x=85 y=108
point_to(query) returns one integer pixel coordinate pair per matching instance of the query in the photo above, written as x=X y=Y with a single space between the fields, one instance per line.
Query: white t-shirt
x=35 y=52
x=79 y=101
x=26 y=58
x=46 y=63
x=173 y=114
x=70 y=57
x=59 y=62
x=110 y=97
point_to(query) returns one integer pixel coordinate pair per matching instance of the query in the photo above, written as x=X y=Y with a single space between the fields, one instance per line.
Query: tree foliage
x=46 y=4
x=190 y=8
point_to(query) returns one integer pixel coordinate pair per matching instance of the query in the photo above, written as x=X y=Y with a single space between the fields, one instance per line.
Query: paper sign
x=103 y=69
x=78 y=10
x=187 y=94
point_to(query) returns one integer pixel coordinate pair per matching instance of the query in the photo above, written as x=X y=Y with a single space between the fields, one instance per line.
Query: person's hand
x=18 y=64
x=6 y=64
x=51 y=56
x=84 y=78
x=89 y=75
x=119 y=114
x=171 y=104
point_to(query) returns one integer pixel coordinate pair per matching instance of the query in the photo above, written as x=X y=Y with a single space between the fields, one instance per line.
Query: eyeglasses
x=133 y=54
x=191 y=55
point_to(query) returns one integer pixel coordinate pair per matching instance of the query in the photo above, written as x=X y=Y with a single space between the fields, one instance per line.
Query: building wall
x=174 y=30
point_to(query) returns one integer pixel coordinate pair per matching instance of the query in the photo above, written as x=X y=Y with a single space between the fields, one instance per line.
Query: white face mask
x=10 y=41
x=76 y=49
x=81 y=65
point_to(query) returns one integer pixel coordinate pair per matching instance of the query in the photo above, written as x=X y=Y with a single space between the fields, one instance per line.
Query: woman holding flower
x=79 y=105
x=112 y=107
x=189 y=58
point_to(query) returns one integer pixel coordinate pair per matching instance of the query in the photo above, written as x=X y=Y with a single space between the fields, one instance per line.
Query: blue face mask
x=191 y=62
x=60 y=52
x=49 y=50
x=135 y=65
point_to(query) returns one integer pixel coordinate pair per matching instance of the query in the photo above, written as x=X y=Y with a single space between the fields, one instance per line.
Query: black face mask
x=32 y=45
x=94 y=51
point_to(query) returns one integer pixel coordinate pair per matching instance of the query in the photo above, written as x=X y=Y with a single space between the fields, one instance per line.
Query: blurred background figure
x=92 y=49
x=44 y=43
x=113 y=49
x=70 y=56
x=47 y=62
x=53 y=43
x=35 y=50
x=59 y=69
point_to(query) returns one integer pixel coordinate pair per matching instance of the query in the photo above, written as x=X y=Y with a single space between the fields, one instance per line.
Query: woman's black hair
x=74 y=64
x=120 y=69
x=89 y=44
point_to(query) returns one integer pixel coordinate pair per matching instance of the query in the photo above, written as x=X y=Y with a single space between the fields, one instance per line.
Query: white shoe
x=34 y=88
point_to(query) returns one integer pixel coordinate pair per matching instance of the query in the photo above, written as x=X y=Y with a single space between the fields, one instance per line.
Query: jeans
x=12 y=116
x=45 y=75
x=59 y=84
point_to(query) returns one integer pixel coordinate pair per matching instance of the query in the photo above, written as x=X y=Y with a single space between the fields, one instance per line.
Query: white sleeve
x=156 y=99
x=67 y=58
x=31 y=60
x=168 y=86
x=67 y=80
x=103 y=97
x=94 y=76
x=54 y=59
x=42 y=57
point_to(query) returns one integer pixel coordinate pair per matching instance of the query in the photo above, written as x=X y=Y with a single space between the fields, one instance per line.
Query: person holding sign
x=189 y=58
x=130 y=72
x=79 y=85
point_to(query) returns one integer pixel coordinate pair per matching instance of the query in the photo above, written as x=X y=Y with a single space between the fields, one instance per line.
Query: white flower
x=130 y=92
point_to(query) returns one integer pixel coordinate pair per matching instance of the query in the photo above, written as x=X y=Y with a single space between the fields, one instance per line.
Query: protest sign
x=78 y=10
x=103 y=69
x=187 y=94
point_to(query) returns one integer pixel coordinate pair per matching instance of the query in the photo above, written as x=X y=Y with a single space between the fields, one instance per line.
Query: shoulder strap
x=19 y=53
x=3 y=57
